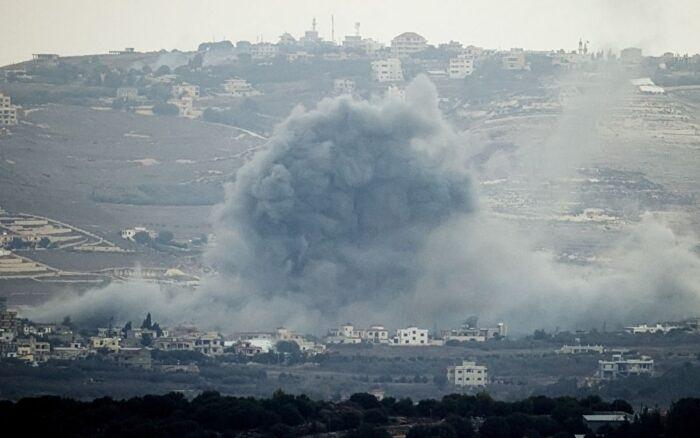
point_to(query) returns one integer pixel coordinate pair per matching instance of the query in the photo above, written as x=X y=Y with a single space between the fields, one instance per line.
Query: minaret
x=313 y=24
x=332 y=28
x=580 y=46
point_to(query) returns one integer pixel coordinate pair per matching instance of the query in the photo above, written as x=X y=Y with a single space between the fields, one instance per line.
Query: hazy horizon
x=84 y=27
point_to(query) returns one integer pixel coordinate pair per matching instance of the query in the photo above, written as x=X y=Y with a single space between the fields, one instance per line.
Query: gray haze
x=365 y=211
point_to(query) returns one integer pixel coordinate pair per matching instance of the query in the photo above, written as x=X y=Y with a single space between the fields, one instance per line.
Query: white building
x=581 y=349
x=263 y=50
x=618 y=367
x=514 y=60
x=127 y=93
x=387 y=70
x=345 y=334
x=209 y=344
x=644 y=328
x=185 y=90
x=468 y=374
x=377 y=334
x=467 y=333
x=343 y=86
x=411 y=336
x=8 y=112
x=461 y=66
x=473 y=51
x=407 y=44
x=348 y=334
x=239 y=87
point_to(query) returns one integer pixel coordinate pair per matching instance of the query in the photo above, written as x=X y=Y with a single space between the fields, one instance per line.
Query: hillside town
x=134 y=345
x=117 y=166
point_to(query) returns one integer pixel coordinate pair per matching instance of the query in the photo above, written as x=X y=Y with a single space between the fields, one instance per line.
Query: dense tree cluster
x=285 y=415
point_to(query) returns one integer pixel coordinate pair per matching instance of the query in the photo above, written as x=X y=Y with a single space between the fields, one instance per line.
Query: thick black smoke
x=334 y=212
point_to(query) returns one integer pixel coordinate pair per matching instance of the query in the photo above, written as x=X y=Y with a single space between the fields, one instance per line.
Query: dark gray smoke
x=336 y=210
x=362 y=211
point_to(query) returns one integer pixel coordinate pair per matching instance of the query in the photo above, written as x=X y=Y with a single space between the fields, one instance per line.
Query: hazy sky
x=70 y=27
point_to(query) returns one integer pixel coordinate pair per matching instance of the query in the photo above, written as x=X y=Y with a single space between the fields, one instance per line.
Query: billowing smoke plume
x=363 y=211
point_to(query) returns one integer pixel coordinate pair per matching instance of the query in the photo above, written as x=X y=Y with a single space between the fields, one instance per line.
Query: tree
x=540 y=335
x=287 y=347
x=156 y=328
x=197 y=62
x=147 y=323
x=494 y=427
x=146 y=340
x=684 y=418
x=462 y=426
x=368 y=431
x=126 y=329
x=17 y=243
x=165 y=237
x=44 y=242
x=432 y=431
x=142 y=238
x=163 y=70
x=365 y=400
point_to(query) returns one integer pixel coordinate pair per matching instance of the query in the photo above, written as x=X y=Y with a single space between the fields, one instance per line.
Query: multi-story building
x=185 y=90
x=8 y=321
x=109 y=343
x=45 y=57
x=263 y=50
x=345 y=334
x=514 y=60
x=134 y=358
x=468 y=374
x=173 y=344
x=348 y=334
x=618 y=367
x=32 y=350
x=209 y=344
x=468 y=333
x=411 y=336
x=248 y=349
x=8 y=112
x=72 y=352
x=461 y=66
x=407 y=44
x=377 y=334
x=387 y=70
x=239 y=87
